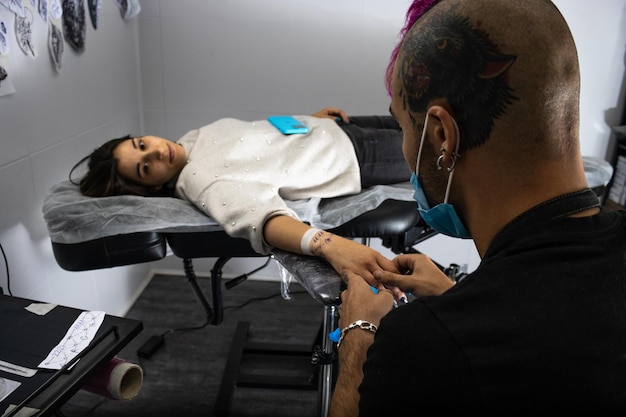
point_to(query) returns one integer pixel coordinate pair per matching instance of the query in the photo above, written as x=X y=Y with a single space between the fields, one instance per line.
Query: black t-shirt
x=539 y=326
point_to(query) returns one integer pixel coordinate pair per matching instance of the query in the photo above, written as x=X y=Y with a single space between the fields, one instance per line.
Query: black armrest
x=390 y=218
x=396 y=222
x=216 y=244
x=315 y=275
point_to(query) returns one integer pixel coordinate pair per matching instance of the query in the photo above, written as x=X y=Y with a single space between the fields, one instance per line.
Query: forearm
x=285 y=232
x=352 y=355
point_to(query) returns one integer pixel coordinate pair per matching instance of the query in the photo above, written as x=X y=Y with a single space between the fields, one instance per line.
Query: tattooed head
x=414 y=12
x=487 y=59
x=451 y=59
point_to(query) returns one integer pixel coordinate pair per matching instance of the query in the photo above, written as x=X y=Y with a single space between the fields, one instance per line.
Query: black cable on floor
x=260 y=299
x=251 y=300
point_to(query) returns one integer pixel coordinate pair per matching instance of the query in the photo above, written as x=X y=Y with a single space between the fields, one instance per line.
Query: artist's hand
x=418 y=275
x=332 y=113
x=359 y=302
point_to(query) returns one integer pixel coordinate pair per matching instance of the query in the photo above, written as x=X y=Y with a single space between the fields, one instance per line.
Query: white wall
x=599 y=29
x=51 y=122
x=185 y=63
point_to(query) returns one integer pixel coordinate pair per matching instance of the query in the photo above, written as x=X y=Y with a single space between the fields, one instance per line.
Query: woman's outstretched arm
x=286 y=233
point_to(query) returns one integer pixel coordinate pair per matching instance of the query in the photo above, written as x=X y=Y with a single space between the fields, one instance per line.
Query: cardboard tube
x=118 y=380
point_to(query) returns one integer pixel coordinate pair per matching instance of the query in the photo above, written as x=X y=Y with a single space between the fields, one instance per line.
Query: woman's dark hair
x=103 y=179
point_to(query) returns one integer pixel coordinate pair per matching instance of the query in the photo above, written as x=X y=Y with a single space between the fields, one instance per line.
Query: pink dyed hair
x=415 y=11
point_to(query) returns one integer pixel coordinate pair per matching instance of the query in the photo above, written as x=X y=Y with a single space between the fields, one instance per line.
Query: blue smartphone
x=288 y=125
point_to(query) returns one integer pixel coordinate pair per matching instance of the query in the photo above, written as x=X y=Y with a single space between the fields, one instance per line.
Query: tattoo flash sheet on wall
x=16 y=6
x=74 y=24
x=55 y=45
x=128 y=8
x=24 y=32
x=4 y=37
x=6 y=85
x=42 y=8
x=55 y=10
x=94 y=11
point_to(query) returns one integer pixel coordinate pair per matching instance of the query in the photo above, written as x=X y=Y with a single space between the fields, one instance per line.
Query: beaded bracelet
x=361 y=324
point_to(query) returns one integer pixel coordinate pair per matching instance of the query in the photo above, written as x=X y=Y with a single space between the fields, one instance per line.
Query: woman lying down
x=239 y=173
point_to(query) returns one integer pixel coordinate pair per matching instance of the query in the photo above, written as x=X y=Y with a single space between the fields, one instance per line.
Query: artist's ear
x=443 y=134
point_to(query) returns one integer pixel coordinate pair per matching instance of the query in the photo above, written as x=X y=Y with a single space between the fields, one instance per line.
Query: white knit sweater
x=239 y=173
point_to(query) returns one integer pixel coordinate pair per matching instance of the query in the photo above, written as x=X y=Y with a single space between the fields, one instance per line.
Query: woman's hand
x=344 y=255
x=332 y=113
x=347 y=256
x=418 y=275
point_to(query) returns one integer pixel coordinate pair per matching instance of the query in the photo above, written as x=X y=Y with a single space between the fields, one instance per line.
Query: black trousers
x=377 y=141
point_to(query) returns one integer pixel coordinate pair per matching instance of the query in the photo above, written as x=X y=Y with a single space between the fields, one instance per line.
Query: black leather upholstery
x=390 y=218
x=208 y=245
x=110 y=251
x=394 y=221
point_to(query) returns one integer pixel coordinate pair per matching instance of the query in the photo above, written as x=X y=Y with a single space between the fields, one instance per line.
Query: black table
x=26 y=338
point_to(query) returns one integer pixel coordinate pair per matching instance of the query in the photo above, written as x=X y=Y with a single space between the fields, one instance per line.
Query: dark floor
x=183 y=377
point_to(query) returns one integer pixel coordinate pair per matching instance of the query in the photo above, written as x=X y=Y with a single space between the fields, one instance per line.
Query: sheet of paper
x=77 y=338
x=7 y=386
x=40 y=309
